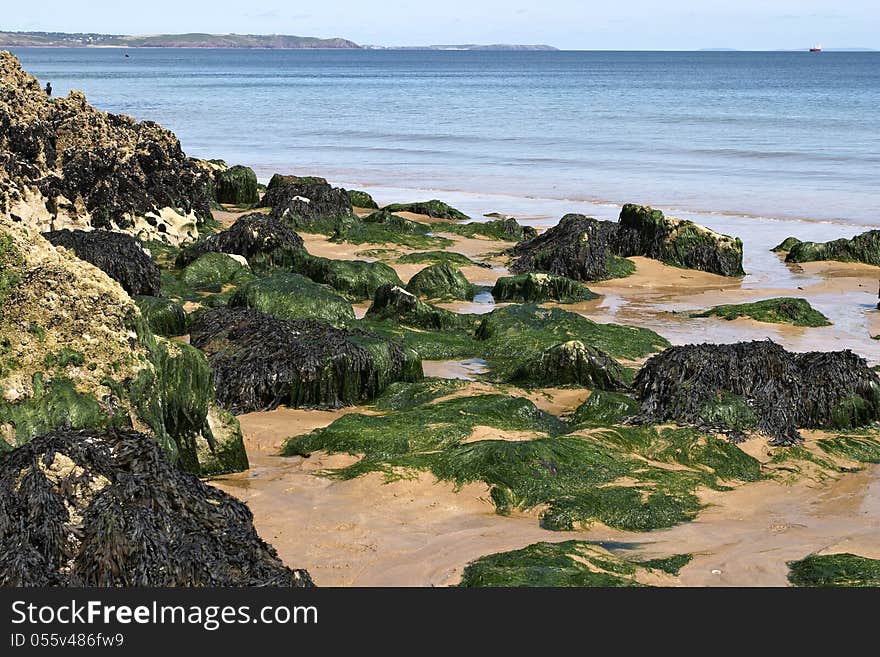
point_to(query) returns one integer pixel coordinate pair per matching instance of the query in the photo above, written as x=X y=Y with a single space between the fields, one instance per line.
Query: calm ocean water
x=781 y=135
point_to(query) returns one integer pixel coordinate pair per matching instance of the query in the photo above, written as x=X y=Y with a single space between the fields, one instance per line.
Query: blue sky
x=575 y=24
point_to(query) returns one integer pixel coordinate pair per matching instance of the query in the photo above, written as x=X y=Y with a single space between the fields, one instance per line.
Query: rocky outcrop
x=64 y=164
x=118 y=255
x=441 y=281
x=864 y=247
x=260 y=362
x=313 y=207
x=760 y=387
x=572 y=363
x=75 y=352
x=394 y=303
x=578 y=247
x=644 y=231
x=292 y=296
x=105 y=508
x=361 y=199
x=265 y=241
x=432 y=208
x=236 y=185
x=538 y=288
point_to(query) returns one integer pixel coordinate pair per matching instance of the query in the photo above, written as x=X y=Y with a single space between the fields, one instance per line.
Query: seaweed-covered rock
x=75 y=352
x=106 y=508
x=782 y=310
x=392 y=302
x=861 y=248
x=538 y=288
x=441 y=281
x=118 y=255
x=432 y=257
x=212 y=271
x=260 y=362
x=786 y=245
x=835 y=570
x=313 y=207
x=383 y=227
x=237 y=185
x=432 y=208
x=163 y=316
x=572 y=363
x=758 y=386
x=504 y=230
x=65 y=164
x=578 y=247
x=293 y=296
x=604 y=408
x=357 y=280
x=265 y=241
x=282 y=180
x=361 y=199
x=644 y=231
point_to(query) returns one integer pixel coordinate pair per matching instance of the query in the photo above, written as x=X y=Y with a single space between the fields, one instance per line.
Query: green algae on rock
x=357 y=280
x=758 y=386
x=392 y=302
x=644 y=231
x=572 y=363
x=568 y=564
x=861 y=248
x=538 y=288
x=163 y=316
x=281 y=180
x=293 y=296
x=361 y=199
x=503 y=230
x=260 y=362
x=214 y=271
x=786 y=245
x=837 y=570
x=782 y=310
x=383 y=227
x=101 y=508
x=603 y=409
x=441 y=281
x=432 y=208
x=236 y=185
x=312 y=207
x=437 y=257
x=405 y=395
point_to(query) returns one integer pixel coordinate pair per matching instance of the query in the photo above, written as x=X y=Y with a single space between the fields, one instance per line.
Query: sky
x=567 y=24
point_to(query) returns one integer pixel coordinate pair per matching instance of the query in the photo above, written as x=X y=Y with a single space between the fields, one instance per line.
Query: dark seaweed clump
x=260 y=362
x=758 y=386
x=824 y=570
x=265 y=242
x=106 y=508
x=118 y=255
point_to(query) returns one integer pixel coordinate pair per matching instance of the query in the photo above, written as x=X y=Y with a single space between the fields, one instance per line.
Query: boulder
x=572 y=363
x=758 y=386
x=101 y=508
x=118 y=255
x=65 y=164
x=163 y=316
x=578 y=247
x=503 y=230
x=213 y=271
x=361 y=199
x=864 y=247
x=313 y=207
x=357 y=280
x=394 y=303
x=293 y=296
x=441 y=281
x=781 y=310
x=644 y=231
x=538 y=288
x=604 y=408
x=260 y=362
x=786 y=245
x=265 y=241
x=432 y=208
x=281 y=180
x=75 y=352
x=236 y=185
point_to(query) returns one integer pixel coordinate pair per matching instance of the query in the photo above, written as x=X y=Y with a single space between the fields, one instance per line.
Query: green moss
x=782 y=310
x=432 y=208
x=236 y=185
x=402 y=396
x=212 y=271
x=164 y=316
x=436 y=257
x=845 y=569
x=357 y=280
x=603 y=408
x=538 y=288
x=361 y=199
x=292 y=296
x=861 y=248
x=383 y=227
x=441 y=281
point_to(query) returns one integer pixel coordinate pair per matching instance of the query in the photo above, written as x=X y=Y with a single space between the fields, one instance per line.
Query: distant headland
x=204 y=40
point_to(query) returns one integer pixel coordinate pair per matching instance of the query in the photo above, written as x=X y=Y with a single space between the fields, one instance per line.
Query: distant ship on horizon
x=816 y=48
